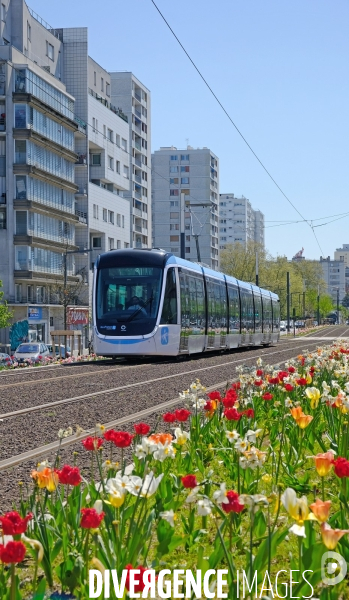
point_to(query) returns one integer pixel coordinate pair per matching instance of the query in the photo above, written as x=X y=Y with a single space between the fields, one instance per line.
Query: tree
x=5 y=313
x=305 y=276
x=71 y=293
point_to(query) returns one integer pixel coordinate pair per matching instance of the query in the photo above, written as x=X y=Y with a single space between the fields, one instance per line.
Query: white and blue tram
x=150 y=302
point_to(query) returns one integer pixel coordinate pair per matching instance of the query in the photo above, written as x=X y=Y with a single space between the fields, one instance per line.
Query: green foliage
x=306 y=276
x=5 y=313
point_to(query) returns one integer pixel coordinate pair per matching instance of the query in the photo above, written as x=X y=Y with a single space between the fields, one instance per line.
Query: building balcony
x=137 y=96
x=82 y=216
x=136 y=211
x=138 y=146
x=137 y=113
x=137 y=178
x=137 y=162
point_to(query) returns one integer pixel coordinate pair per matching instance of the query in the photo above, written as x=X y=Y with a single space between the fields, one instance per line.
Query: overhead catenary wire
x=234 y=124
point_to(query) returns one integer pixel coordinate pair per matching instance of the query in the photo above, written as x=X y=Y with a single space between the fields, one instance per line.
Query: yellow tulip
x=314 y=396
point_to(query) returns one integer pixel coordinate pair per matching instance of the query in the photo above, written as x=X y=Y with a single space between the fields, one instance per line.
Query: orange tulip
x=323 y=463
x=304 y=421
x=160 y=438
x=46 y=478
x=331 y=537
x=296 y=412
x=321 y=509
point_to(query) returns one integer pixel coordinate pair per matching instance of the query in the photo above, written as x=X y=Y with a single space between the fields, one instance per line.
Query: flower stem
x=323 y=488
x=13 y=582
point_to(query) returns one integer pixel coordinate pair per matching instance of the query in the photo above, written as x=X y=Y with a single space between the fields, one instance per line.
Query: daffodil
x=181 y=436
x=169 y=516
x=204 y=507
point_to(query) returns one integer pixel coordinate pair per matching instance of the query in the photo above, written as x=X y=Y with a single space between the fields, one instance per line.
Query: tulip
x=304 y=421
x=46 y=478
x=298 y=509
x=331 y=537
x=323 y=463
x=314 y=396
x=321 y=509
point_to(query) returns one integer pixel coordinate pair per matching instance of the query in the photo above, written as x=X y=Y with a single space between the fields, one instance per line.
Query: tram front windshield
x=127 y=299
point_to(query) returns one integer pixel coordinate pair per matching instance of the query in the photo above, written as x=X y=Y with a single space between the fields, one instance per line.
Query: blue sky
x=281 y=71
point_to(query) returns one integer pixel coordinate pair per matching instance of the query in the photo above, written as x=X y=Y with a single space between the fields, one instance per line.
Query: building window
x=174 y=215
x=110 y=135
x=174 y=227
x=174 y=203
x=118 y=220
x=174 y=157
x=107 y=88
x=187 y=238
x=18 y=292
x=105 y=215
x=95 y=211
x=123 y=221
x=50 y=50
x=126 y=245
x=185 y=180
x=187 y=249
x=184 y=156
x=110 y=243
x=94 y=78
x=104 y=131
x=93 y=124
x=124 y=144
x=29 y=32
x=174 y=238
x=174 y=192
x=185 y=169
x=111 y=217
x=173 y=169
x=96 y=160
x=102 y=84
x=126 y=172
x=118 y=166
x=118 y=244
x=96 y=242
x=111 y=163
x=174 y=180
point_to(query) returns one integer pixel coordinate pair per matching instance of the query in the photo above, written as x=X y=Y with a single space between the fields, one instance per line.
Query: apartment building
x=185 y=192
x=134 y=99
x=334 y=276
x=63 y=149
x=239 y=222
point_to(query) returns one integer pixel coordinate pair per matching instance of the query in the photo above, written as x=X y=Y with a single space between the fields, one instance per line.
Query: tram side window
x=169 y=309
x=200 y=295
x=234 y=309
x=247 y=310
x=276 y=315
x=193 y=302
x=267 y=320
x=211 y=305
x=257 y=311
x=223 y=304
x=185 y=308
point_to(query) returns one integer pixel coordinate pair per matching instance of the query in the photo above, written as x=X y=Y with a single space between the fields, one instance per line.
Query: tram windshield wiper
x=136 y=312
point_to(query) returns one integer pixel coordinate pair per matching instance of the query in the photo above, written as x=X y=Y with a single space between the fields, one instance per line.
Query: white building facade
x=134 y=99
x=239 y=222
x=185 y=193
x=334 y=276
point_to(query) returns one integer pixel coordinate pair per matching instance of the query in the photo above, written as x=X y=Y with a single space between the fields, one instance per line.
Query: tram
x=151 y=302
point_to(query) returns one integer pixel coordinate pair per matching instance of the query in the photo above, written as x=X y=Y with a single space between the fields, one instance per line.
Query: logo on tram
x=164 y=336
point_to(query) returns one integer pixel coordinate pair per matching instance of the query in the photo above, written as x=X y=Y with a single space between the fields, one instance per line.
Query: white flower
x=181 y=436
x=169 y=516
x=164 y=451
x=241 y=445
x=252 y=436
x=193 y=495
x=204 y=507
x=144 y=448
x=232 y=436
x=98 y=506
x=149 y=485
x=43 y=465
x=220 y=496
x=63 y=433
x=115 y=486
x=288 y=402
x=298 y=530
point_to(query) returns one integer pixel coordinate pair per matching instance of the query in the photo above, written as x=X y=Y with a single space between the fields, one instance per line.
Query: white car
x=282 y=325
x=31 y=351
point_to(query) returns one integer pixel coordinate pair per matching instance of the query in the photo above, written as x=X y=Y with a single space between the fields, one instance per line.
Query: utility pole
x=257 y=273
x=303 y=305
x=337 y=306
x=318 y=305
x=182 y=237
x=288 y=300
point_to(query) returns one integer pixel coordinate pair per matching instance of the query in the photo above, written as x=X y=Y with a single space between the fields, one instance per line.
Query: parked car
x=5 y=360
x=282 y=325
x=31 y=351
x=64 y=354
x=300 y=324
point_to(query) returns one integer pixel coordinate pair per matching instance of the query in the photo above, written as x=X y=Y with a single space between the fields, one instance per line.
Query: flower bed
x=50 y=360
x=252 y=479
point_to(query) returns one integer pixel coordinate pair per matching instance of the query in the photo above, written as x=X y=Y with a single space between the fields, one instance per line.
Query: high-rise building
x=239 y=222
x=133 y=98
x=185 y=191
x=334 y=276
x=63 y=168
